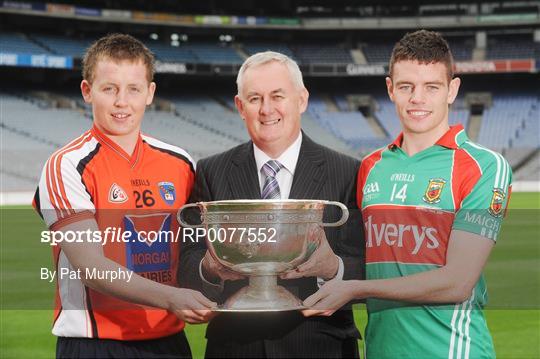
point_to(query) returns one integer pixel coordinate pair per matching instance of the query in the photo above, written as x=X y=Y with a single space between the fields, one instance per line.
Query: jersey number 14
x=401 y=193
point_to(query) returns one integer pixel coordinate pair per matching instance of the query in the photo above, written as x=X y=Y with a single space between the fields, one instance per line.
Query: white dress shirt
x=288 y=159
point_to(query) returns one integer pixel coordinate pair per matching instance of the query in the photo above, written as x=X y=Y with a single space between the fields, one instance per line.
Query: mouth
x=418 y=114
x=120 y=116
x=270 y=122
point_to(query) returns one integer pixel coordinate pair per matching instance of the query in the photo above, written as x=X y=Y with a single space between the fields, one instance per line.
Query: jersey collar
x=453 y=138
x=132 y=159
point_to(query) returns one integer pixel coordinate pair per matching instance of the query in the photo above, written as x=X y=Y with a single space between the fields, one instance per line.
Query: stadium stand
x=506 y=121
x=512 y=48
x=19 y=43
x=212 y=53
x=60 y=45
x=166 y=52
x=253 y=47
x=376 y=53
x=323 y=54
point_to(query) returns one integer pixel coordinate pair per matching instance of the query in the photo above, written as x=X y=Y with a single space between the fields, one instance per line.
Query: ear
x=86 y=91
x=304 y=96
x=453 y=89
x=390 y=88
x=239 y=106
x=151 y=91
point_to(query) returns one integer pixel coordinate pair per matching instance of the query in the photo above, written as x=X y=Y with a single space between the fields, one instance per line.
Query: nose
x=417 y=95
x=266 y=107
x=120 y=100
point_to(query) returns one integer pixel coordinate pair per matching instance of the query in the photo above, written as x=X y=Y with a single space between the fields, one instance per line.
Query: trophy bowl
x=262 y=239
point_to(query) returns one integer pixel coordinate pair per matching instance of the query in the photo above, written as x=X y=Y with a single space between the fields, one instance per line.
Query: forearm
x=136 y=289
x=439 y=285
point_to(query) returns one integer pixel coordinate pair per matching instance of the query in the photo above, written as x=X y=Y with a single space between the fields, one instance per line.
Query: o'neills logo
x=408 y=236
x=496 y=205
x=117 y=194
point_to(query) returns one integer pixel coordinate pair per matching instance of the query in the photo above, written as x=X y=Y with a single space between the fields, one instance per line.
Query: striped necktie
x=271 y=186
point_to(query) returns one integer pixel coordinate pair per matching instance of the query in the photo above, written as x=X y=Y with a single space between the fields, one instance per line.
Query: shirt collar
x=288 y=159
x=103 y=139
x=453 y=138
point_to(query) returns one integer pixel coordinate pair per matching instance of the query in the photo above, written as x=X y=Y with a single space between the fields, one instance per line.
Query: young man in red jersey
x=432 y=203
x=118 y=297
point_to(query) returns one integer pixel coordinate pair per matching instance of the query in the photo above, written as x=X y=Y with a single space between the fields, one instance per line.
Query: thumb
x=205 y=301
x=314 y=298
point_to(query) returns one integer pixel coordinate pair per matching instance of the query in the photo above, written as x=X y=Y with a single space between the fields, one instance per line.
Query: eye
x=254 y=99
x=108 y=89
x=134 y=89
x=405 y=88
x=433 y=87
x=278 y=97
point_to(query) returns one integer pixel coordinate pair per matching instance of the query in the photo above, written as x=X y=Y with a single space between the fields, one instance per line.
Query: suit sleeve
x=350 y=246
x=192 y=252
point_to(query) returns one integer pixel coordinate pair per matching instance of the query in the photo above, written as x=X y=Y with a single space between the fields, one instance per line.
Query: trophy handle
x=344 y=214
x=181 y=220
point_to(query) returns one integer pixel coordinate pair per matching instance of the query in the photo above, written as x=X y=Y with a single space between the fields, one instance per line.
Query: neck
x=127 y=143
x=417 y=142
x=274 y=150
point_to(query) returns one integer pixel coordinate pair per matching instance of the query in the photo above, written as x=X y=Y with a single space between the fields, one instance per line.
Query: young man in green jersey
x=432 y=203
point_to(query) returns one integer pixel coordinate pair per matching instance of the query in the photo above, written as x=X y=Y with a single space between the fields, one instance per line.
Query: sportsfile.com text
x=116 y=234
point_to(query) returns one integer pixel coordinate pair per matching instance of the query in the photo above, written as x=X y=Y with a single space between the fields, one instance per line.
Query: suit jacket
x=320 y=173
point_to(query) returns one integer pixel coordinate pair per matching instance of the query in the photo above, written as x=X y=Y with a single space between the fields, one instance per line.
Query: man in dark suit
x=279 y=162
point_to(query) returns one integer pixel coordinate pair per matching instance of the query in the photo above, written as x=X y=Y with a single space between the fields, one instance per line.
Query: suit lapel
x=243 y=179
x=310 y=174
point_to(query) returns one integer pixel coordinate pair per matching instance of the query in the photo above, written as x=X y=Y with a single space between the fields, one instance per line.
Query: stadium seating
x=323 y=54
x=19 y=43
x=197 y=51
x=212 y=53
x=253 y=47
x=209 y=123
x=518 y=48
x=167 y=53
x=512 y=121
x=377 y=53
x=61 y=45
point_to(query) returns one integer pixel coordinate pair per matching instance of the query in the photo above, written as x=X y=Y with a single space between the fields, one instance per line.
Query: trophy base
x=261 y=295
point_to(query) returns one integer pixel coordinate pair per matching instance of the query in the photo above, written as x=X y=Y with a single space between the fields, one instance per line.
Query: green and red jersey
x=410 y=205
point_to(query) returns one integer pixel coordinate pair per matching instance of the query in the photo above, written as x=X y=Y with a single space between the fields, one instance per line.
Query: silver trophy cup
x=261 y=239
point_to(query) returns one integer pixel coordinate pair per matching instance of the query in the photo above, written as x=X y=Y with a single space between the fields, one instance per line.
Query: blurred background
x=343 y=48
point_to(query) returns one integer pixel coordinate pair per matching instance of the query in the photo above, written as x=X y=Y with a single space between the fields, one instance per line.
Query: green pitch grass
x=512 y=275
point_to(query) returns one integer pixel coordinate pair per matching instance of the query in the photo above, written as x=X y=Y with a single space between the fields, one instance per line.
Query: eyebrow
x=117 y=85
x=255 y=93
x=427 y=83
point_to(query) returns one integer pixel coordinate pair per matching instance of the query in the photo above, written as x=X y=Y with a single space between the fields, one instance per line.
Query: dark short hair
x=117 y=47
x=426 y=47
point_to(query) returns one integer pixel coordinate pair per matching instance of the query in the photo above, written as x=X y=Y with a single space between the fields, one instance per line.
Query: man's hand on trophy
x=191 y=306
x=323 y=263
x=333 y=295
x=215 y=272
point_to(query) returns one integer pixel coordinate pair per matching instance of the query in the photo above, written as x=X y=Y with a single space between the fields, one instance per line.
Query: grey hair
x=265 y=57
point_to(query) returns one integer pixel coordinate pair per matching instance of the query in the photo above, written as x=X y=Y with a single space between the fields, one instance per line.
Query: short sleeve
x=483 y=209
x=62 y=197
